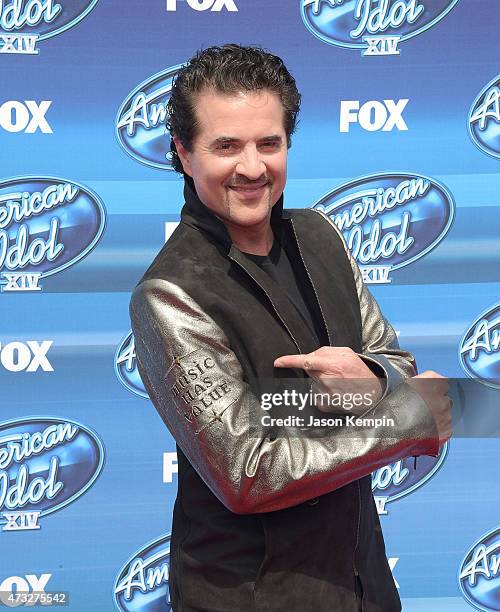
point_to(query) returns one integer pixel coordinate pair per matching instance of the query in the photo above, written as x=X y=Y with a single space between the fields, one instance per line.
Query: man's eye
x=272 y=144
x=225 y=146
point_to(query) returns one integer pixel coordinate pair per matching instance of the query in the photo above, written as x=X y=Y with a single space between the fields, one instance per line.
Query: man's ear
x=184 y=156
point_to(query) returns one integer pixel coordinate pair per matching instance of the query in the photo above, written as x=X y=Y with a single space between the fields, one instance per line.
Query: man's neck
x=256 y=241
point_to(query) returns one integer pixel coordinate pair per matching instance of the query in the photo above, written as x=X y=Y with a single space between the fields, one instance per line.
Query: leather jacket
x=265 y=523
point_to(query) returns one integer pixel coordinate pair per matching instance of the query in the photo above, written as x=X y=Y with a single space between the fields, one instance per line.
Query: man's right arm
x=196 y=383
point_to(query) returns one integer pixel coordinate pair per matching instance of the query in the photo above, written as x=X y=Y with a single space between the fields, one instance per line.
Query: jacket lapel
x=331 y=276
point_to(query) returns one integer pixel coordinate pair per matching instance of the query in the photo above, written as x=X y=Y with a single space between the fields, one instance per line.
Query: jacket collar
x=197 y=215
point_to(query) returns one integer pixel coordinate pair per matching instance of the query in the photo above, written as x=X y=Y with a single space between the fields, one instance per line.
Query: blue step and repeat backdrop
x=399 y=142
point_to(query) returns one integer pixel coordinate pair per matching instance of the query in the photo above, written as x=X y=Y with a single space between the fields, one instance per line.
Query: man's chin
x=244 y=219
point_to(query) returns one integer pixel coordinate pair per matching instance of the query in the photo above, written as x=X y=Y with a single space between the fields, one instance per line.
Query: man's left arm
x=380 y=342
x=380 y=350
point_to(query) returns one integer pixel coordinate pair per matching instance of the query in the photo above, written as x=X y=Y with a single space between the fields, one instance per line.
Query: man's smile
x=250 y=190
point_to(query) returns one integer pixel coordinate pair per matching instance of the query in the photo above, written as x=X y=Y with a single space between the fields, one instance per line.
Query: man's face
x=238 y=158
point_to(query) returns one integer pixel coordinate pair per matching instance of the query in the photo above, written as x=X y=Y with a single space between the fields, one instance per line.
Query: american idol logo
x=126 y=366
x=401 y=478
x=479 y=350
x=484 y=119
x=25 y=22
x=376 y=27
x=141 y=121
x=45 y=464
x=389 y=220
x=142 y=584
x=479 y=574
x=46 y=225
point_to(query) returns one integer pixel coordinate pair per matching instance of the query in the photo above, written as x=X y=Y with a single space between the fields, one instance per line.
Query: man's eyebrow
x=224 y=140
x=272 y=138
x=231 y=140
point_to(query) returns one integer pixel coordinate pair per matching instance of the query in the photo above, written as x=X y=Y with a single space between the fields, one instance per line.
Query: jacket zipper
x=312 y=284
x=272 y=304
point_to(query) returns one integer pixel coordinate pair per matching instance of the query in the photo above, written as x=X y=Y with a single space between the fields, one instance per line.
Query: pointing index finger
x=293 y=361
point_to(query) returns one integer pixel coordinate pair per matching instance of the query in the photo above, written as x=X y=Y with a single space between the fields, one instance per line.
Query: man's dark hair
x=228 y=69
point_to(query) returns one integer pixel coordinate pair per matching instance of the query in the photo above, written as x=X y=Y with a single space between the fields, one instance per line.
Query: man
x=245 y=291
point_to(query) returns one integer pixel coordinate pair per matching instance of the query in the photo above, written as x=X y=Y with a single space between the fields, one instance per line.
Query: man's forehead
x=216 y=110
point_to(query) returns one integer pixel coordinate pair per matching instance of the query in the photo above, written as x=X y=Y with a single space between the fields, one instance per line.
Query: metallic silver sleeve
x=380 y=342
x=195 y=382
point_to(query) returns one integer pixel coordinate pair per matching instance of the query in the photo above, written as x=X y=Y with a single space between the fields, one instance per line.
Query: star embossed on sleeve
x=216 y=416
x=177 y=360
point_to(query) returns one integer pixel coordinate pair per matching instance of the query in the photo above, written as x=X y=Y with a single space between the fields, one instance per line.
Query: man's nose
x=251 y=164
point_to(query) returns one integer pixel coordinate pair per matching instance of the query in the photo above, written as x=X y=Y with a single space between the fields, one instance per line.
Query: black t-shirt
x=278 y=266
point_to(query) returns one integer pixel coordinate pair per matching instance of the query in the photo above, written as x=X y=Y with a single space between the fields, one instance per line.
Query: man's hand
x=433 y=389
x=336 y=370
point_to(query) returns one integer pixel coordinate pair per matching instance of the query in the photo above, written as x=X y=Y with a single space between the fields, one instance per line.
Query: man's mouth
x=248 y=189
